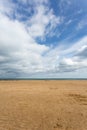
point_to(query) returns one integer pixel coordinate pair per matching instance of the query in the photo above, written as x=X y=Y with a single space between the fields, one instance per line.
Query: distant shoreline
x=45 y=79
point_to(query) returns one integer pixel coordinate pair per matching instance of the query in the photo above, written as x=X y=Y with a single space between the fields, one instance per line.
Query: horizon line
x=43 y=78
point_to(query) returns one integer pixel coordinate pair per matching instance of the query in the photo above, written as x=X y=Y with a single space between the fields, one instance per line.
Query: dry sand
x=43 y=105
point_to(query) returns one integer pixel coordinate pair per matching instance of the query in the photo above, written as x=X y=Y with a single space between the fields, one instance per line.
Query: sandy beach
x=43 y=105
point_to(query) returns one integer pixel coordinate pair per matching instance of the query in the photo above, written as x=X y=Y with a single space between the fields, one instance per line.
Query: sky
x=43 y=39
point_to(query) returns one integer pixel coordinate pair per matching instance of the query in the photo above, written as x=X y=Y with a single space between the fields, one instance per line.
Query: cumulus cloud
x=44 y=21
x=21 y=54
x=17 y=48
x=78 y=58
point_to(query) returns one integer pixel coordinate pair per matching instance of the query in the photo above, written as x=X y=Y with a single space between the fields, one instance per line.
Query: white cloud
x=18 y=46
x=21 y=54
x=42 y=22
x=7 y=7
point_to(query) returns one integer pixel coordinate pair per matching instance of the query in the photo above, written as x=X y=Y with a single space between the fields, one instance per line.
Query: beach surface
x=43 y=105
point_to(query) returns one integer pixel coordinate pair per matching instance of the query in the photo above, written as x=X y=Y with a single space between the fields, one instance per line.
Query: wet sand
x=43 y=105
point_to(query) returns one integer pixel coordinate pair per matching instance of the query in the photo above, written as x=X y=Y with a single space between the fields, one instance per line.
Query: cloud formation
x=26 y=31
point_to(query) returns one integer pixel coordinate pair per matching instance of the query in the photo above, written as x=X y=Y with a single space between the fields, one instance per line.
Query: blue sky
x=43 y=39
